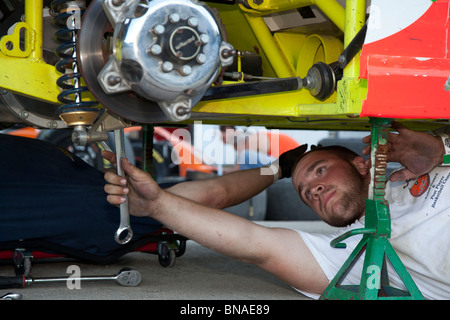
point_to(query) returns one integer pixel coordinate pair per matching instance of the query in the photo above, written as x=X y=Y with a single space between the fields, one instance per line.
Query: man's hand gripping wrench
x=124 y=233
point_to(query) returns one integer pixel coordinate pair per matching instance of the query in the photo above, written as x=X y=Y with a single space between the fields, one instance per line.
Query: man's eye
x=320 y=170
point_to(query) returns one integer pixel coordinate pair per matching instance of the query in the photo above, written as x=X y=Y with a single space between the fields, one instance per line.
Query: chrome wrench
x=11 y=296
x=125 y=277
x=124 y=233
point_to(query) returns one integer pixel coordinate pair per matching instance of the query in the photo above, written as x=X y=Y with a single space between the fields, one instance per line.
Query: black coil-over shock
x=64 y=13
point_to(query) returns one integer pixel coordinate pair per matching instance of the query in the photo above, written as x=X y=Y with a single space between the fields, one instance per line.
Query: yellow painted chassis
x=286 y=53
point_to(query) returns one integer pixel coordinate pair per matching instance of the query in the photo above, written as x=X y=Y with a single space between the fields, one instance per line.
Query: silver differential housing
x=167 y=51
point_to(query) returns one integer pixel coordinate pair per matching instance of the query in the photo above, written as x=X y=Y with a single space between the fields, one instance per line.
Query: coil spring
x=70 y=97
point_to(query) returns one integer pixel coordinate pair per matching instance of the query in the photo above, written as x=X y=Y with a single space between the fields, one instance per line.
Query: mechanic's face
x=333 y=187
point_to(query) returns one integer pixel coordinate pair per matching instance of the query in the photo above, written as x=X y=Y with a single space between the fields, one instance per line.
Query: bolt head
x=193 y=22
x=159 y=29
x=181 y=111
x=24 y=114
x=117 y=3
x=174 y=17
x=204 y=38
x=201 y=58
x=113 y=80
x=186 y=70
x=167 y=66
x=155 y=50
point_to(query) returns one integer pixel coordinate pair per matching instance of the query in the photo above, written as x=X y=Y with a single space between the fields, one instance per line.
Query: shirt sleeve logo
x=420 y=186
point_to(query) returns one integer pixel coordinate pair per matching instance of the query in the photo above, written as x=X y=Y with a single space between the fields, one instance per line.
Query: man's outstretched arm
x=218 y=192
x=231 y=188
x=282 y=252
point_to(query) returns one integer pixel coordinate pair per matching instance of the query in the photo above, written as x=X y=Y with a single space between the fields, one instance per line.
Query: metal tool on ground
x=126 y=277
x=11 y=296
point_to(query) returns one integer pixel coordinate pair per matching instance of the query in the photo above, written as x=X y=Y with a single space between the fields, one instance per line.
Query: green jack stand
x=374 y=282
x=147 y=148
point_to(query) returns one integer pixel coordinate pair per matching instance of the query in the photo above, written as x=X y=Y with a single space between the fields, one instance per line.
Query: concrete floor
x=199 y=274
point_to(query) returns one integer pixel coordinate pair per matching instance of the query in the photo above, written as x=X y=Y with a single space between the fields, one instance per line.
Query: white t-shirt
x=420 y=235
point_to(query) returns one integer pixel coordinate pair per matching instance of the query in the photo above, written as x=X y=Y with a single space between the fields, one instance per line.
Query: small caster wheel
x=166 y=255
x=181 y=248
x=22 y=262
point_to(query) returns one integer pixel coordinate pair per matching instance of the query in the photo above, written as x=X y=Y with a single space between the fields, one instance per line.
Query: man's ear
x=362 y=165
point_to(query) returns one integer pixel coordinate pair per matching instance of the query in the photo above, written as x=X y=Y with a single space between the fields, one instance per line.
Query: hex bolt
x=201 y=58
x=204 y=38
x=167 y=66
x=226 y=53
x=174 y=17
x=24 y=114
x=158 y=29
x=155 y=50
x=113 y=80
x=52 y=124
x=182 y=111
x=193 y=22
x=185 y=70
x=117 y=3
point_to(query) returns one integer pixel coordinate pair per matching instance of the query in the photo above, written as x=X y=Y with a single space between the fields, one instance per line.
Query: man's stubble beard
x=352 y=202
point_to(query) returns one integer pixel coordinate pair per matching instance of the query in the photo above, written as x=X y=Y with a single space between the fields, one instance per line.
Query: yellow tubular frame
x=33 y=17
x=354 y=20
x=272 y=51
x=334 y=11
x=29 y=75
x=351 y=90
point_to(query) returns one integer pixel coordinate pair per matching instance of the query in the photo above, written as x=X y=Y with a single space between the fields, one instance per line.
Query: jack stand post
x=374 y=282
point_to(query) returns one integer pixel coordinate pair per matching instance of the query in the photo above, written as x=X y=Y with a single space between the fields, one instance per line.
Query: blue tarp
x=49 y=195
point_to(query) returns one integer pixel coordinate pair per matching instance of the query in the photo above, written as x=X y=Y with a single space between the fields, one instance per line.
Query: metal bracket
x=12 y=45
